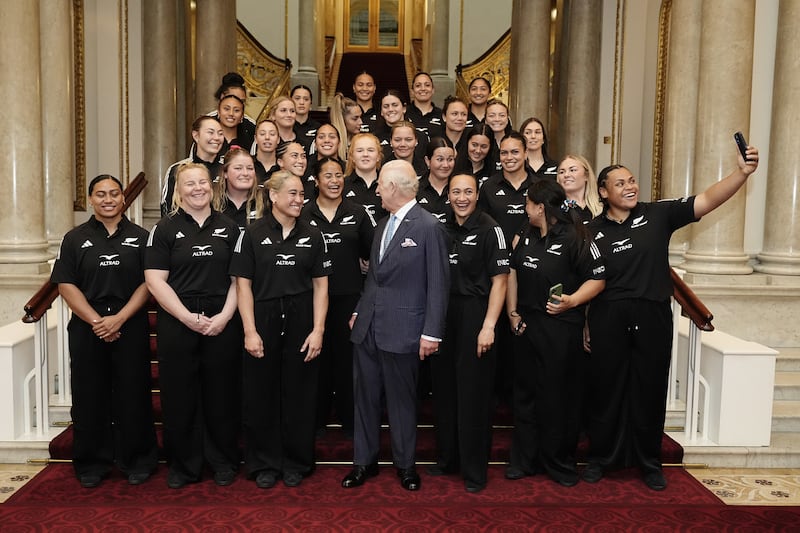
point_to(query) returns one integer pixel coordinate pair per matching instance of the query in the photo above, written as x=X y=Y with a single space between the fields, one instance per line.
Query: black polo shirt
x=356 y=189
x=478 y=252
x=636 y=251
x=104 y=267
x=196 y=257
x=427 y=124
x=434 y=203
x=348 y=238
x=548 y=170
x=561 y=256
x=500 y=200
x=369 y=120
x=240 y=215
x=263 y=174
x=307 y=131
x=276 y=266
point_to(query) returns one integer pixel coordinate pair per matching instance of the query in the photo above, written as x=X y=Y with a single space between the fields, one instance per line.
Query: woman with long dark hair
x=555 y=271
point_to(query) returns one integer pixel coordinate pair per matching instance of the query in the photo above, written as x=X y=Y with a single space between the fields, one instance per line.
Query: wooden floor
x=734 y=486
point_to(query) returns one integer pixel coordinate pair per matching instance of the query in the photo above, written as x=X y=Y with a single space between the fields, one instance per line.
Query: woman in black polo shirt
x=237 y=195
x=281 y=270
x=553 y=250
x=463 y=371
x=199 y=332
x=630 y=322
x=347 y=228
x=99 y=272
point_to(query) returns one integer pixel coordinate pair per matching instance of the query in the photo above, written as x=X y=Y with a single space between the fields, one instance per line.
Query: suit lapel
x=405 y=227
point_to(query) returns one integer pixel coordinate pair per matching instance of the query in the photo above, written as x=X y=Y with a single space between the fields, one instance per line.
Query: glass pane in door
x=359 y=23
x=388 y=23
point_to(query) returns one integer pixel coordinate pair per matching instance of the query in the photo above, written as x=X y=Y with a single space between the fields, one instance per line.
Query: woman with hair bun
x=281 y=268
x=556 y=269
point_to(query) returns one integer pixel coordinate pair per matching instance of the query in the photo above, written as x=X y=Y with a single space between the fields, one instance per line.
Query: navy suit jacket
x=405 y=295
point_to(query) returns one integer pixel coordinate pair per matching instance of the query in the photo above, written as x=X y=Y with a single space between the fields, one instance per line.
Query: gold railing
x=265 y=75
x=492 y=65
x=48 y=292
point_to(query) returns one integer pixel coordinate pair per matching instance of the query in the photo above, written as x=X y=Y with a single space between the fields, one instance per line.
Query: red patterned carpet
x=53 y=501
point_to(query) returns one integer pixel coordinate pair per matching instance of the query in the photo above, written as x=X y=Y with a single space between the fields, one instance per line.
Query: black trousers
x=547 y=397
x=112 y=411
x=631 y=345
x=376 y=372
x=336 y=363
x=200 y=394
x=280 y=390
x=463 y=385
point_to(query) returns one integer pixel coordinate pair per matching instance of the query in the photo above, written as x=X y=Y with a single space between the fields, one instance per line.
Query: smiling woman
x=103 y=284
x=199 y=332
x=281 y=268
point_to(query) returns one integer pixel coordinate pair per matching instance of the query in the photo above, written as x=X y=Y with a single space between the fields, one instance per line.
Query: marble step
x=787 y=386
x=783 y=452
x=788 y=360
x=785 y=416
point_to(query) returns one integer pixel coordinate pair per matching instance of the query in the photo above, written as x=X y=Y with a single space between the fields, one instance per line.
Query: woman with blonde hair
x=361 y=174
x=237 y=194
x=284 y=114
x=576 y=176
x=199 y=332
x=346 y=118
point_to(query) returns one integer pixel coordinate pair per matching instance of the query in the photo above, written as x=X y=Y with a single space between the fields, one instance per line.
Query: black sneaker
x=176 y=480
x=266 y=479
x=224 y=477
x=593 y=473
x=90 y=481
x=292 y=479
x=655 y=480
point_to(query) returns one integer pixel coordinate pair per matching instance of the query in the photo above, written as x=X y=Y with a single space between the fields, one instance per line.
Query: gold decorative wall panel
x=492 y=65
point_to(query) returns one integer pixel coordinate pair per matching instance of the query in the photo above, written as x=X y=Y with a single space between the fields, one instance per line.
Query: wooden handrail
x=691 y=306
x=48 y=292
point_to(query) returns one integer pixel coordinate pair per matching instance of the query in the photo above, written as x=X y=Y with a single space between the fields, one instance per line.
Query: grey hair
x=402 y=174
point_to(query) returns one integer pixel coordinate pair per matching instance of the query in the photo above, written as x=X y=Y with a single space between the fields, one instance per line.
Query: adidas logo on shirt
x=501 y=192
x=266 y=241
x=179 y=235
x=350 y=194
x=87 y=244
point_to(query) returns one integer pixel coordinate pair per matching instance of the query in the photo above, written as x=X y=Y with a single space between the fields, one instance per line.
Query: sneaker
x=593 y=473
x=266 y=479
x=176 y=480
x=90 y=481
x=292 y=479
x=137 y=478
x=514 y=473
x=224 y=477
x=655 y=480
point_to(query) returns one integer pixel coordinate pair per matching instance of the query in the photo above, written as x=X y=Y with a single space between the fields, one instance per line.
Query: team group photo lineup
x=346 y=267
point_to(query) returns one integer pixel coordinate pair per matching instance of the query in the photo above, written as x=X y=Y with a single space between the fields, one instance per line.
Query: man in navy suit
x=398 y=321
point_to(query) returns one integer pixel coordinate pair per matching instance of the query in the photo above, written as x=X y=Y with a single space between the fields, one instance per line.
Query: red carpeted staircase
x=335 y=448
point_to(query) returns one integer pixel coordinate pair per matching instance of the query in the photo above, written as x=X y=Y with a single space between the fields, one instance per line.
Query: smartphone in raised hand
x=741 y=143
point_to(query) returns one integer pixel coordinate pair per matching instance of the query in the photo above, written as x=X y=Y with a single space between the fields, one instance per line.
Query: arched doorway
x=373 y=26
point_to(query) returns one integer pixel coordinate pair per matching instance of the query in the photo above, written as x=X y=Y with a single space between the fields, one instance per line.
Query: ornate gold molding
x=79 y=201
x=265 y=75
x=664 y=17
x=492 y=65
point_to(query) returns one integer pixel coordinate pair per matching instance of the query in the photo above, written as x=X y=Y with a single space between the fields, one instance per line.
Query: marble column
x=683 y=66
x=160 y=87
x=723 y=106
x=781 y=250
x=307 y=51
x=215 y=49
x=23 y=244
x=440 y=50
x=529 y=65
x=58 y=136
x=579 y=103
